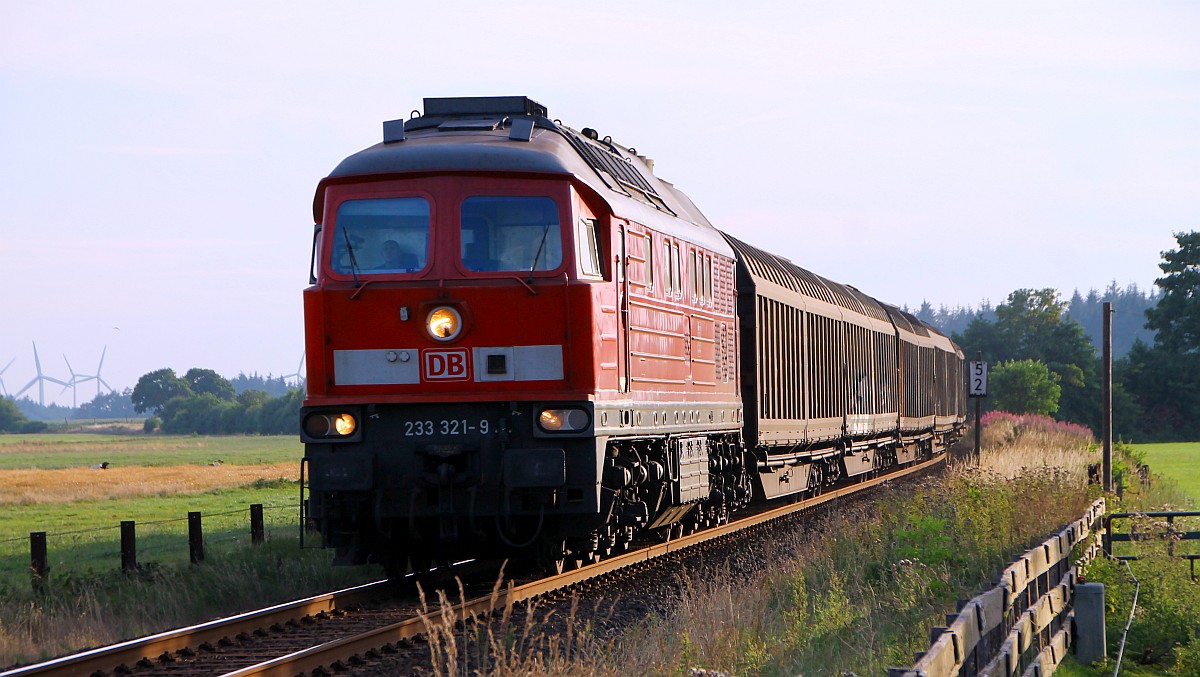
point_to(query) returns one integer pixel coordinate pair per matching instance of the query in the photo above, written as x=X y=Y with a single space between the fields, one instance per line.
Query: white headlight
x=444 y=323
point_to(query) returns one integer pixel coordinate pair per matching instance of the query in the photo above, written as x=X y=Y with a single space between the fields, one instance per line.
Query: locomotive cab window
x=510 y=234
x=676 y=287
x=381 y=236
x=588 y=239
x=649 y=244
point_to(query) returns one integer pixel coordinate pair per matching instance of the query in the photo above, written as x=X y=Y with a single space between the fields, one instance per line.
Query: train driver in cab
x=395 y=258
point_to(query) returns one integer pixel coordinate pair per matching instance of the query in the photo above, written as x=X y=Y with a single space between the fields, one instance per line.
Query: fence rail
x=1022 y=626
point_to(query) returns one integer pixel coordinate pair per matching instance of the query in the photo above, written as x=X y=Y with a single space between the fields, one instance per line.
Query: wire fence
x=162 y=541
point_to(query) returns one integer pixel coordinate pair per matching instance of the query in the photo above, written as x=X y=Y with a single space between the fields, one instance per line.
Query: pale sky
x=158 y=159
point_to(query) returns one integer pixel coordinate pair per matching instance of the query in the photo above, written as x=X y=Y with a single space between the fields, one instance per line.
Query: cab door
x=622 y=278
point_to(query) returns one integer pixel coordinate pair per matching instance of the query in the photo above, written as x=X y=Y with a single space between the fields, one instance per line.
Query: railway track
x=347 y=629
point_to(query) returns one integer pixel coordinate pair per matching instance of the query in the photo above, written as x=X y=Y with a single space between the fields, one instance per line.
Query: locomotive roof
x=514 y=134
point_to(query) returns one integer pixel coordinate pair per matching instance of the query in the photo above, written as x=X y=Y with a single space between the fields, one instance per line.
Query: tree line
x=1043 y=359
x=1129 y=320
x=202 y=401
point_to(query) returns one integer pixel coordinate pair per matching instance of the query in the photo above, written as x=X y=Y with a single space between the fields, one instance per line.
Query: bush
x=34 y=427
x=11 y=418
x=1026 y=386
x=249 y=414
x=151 y=424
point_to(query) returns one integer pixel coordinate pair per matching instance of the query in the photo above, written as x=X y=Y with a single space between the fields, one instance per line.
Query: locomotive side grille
x=724 y=351
x=723 y=292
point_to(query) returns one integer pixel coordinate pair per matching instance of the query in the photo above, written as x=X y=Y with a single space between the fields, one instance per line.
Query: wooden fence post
x=256 y=523
x=128 y=546
x=38 y=561
x=195 y=538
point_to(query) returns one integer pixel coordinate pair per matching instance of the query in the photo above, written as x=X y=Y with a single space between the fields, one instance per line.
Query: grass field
x=85 y=535
x=81 y=450
x=1179 y=462
x=49 y=483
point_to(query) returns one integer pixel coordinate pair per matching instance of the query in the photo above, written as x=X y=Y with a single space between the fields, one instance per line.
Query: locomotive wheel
x=552 y=557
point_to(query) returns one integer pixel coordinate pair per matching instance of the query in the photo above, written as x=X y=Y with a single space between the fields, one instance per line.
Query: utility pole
x=1106 y=405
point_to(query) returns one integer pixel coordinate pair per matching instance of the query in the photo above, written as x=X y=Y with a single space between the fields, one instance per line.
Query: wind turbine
x=100 y=379
x=298 y=372
x=40 y=380
x=76 y=379
x=3 y=390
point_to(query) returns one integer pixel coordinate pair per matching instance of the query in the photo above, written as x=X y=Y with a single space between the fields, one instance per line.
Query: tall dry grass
x=77 y=611
x=1011 y=444
x=34 y=486
x=519 y=639
x=855 y=594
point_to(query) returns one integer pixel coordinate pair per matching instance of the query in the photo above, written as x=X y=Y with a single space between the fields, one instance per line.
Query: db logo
x=445 y=365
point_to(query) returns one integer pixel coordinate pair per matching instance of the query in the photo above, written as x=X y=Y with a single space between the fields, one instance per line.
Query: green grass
x=1179 y=462
x=1163 y=638
x=85 y=535
x=86 y=601
x=75 y=450
x=77 y=610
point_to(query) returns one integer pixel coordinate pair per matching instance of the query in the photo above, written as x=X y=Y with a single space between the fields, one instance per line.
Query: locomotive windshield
x=381 y=236
x=519 y=234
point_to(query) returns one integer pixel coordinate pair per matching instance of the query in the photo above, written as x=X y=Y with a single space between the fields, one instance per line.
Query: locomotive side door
x=622 y=277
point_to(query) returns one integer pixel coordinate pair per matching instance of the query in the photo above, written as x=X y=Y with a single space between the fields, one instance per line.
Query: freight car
x=521 y=342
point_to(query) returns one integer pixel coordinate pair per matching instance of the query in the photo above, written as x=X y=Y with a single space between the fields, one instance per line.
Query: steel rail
x=130 y=652
x=346 y=649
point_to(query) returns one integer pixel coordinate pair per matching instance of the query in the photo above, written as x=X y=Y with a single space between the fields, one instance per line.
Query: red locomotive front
x=490 y=364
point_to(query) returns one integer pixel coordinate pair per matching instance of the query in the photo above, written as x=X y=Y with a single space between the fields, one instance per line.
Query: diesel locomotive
x=521 y=342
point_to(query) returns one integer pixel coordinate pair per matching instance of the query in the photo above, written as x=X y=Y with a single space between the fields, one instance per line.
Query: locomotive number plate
x=447 y=427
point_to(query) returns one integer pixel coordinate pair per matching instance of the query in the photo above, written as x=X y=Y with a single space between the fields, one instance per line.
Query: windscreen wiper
x=538 y=255
x=353 y=262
